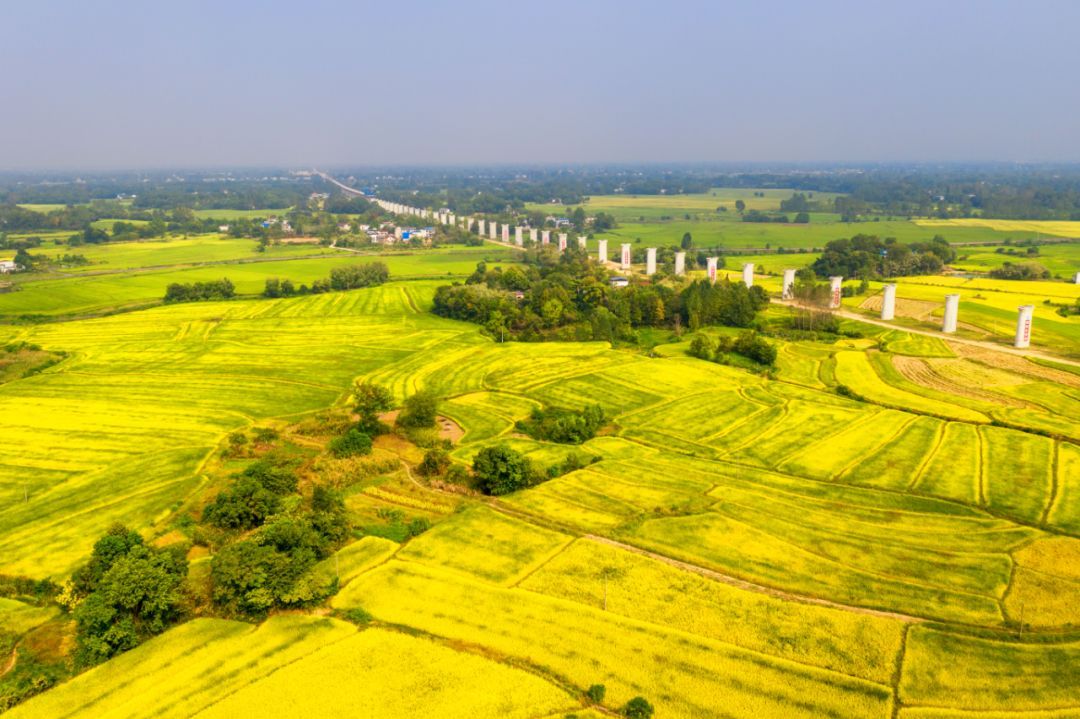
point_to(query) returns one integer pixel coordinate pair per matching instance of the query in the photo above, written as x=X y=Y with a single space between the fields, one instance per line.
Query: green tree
x=740 y=205
x=371 y=400
x=638 y=708
x=687 y=241
x=502 y=470
x=420 y=410
x=128 y=592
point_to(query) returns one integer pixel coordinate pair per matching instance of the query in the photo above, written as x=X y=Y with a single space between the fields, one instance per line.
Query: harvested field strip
x=1013 y=363
x=855 y=371
x=711 y=677
x=928 y=375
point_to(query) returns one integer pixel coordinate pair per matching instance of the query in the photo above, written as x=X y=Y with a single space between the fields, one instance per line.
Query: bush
x=596 y=692
x=352 y=443
x=435 y=462
x=456 y=474
x=418 y=526
x=753 y=347
x=265 y=435
x=271 y=475
x=502 y=470
x=701 y=347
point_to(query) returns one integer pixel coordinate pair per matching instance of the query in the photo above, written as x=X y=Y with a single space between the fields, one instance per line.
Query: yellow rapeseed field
x=387 y=675
x=485 y=544
x=634 y=586
x=1055 y=228
x=683 y=675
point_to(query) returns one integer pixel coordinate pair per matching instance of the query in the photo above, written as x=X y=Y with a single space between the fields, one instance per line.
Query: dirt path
x=10 y=662
x=846 y=314
x=750 y=586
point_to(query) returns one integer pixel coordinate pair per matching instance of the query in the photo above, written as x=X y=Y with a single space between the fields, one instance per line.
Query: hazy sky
x=148 y=83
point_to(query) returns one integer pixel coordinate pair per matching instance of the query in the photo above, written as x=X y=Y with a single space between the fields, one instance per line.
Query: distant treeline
x=568 y=297
x=999 y=191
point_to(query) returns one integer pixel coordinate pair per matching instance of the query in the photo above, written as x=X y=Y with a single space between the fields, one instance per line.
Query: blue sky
x=121 y=84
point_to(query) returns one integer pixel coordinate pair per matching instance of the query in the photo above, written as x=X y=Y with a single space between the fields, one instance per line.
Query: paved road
x=847 y=314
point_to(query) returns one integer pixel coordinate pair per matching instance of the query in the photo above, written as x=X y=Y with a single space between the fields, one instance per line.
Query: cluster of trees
x=255 y=494
x=222 y=289
x=869 y=256
x=747 y=344
x=283 y=539
x=272 y=568
x=28 y=262
x=758 y=216
x=1020 y=271
x=349 y=277
x=127 y=592
x=554 y=424
x=568 y=296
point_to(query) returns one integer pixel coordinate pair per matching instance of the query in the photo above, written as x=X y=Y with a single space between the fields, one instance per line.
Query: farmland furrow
x=918 y=473
x=751 y=586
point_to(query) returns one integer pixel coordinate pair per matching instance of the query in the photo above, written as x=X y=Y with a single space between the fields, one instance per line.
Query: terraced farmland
x=737 y=545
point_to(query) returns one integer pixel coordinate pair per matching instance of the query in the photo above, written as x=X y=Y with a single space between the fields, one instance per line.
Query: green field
x=198 y=249
x=1062 y=260
x=84 y=292
x=856 y=535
